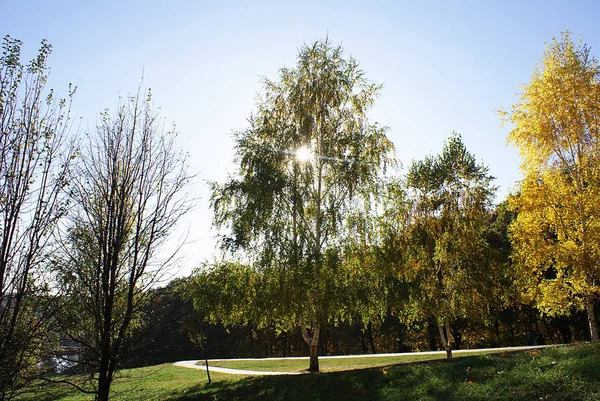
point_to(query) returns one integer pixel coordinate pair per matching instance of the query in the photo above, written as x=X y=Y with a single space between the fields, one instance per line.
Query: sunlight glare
x=304 y=154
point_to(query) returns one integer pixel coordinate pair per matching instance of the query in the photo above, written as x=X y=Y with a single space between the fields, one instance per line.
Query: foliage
x=227 y=292
x=35 y=155
x=288 y=215
x=448 y=253
x=557 y=231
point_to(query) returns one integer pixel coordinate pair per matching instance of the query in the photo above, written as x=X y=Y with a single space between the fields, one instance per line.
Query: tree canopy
x=447 y=248
x=324 y=242
x=557 y=232
x=309 y=158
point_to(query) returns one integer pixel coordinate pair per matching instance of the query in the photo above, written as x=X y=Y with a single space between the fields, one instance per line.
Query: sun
x=304 y=154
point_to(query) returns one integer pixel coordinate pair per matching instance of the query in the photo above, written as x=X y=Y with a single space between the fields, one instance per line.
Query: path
x=193 y=364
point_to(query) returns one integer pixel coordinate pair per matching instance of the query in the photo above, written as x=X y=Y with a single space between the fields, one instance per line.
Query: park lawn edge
x=562 y=373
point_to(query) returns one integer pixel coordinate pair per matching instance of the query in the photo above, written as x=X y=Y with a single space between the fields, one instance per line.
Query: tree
x=128 y=194
x=447 y=249
x=309 y=157
x=556 y=235
x=35 y=157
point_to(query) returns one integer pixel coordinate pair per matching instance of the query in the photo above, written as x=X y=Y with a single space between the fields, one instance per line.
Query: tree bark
x=284 y=345
x=371 y=339
x=314 y=358
x=446 y=340
x=433 y=344
x=103 y=385
x=313 y=344
x=104 y=373
x=592 y=318
x=362 y=342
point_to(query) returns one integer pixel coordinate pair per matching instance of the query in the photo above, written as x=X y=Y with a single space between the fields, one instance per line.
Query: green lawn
x=564 y=373
x=326 y=364
x=161 y=382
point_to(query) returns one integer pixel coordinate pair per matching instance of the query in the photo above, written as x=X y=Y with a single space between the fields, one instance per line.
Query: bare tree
x=35 y=153
x=129 y=192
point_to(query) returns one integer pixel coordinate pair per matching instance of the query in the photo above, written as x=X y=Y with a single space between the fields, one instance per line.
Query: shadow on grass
x=419 y=380
x=565 y=373
x=549 y=375
x=45 y=392
x=357 y=385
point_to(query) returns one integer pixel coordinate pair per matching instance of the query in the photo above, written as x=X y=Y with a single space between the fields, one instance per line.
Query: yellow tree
x=556 y=235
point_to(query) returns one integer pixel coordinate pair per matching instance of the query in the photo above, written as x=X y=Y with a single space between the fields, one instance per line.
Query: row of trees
x=80 y=223
x=320 y=232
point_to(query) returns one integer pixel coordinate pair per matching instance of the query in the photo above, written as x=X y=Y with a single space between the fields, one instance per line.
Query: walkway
x=193 y=364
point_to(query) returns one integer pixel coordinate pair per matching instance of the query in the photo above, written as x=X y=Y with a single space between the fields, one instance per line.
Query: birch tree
x=556 y=128
x=447 y=250
x=309 y=156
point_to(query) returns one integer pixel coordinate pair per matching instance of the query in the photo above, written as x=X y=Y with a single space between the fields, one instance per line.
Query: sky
x=445 y=66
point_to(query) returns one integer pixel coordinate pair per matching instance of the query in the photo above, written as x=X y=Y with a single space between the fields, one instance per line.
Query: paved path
x=193 y=364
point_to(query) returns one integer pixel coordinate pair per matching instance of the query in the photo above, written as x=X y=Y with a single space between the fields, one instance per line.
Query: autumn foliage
x=557 y=232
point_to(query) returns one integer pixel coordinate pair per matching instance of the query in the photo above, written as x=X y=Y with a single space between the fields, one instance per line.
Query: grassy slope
x=566 y=373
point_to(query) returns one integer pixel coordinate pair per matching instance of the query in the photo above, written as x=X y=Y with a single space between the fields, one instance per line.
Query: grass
x=326 y=364
x=563 y=373
x=160 y=382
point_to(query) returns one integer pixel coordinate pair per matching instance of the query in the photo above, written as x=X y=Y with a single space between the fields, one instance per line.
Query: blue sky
x=445 y=66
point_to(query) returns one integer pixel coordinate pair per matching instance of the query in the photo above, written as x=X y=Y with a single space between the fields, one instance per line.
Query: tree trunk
x=103 y=386
x=314 y=358
x=362 y=342
x=371 y=339
x=104 y=375
x=284 y=345
x=592 y=318
x=431 y=336
x=313 y=345
x=446 y=340
x=457 y=337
